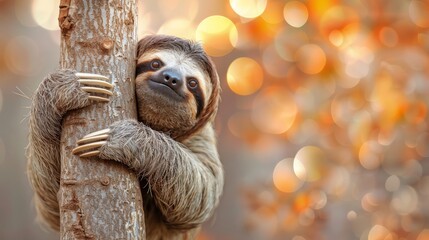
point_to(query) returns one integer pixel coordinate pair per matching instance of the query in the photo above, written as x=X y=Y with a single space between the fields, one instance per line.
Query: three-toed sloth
x=172 y=146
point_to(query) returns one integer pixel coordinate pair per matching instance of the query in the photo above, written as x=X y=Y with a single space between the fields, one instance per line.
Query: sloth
x=172 y=145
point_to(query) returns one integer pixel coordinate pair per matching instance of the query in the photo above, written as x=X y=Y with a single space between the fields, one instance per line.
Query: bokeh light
x=288 y=41
x=310 y=164
x=241 y=126
x=310 y=58
x=244 y=76
x=379 y=232
x=388 y=36
x=424 y=235
x=342 y=21
x=295 y=13
x=218 y=35
x=418 y=12
x=45 y=13
x=179 y=27
x=248 y=8
x=185 y=9
x=22 y=55
x=273 y=13
x=274 y=111
x=405 y=200
x=284 y=177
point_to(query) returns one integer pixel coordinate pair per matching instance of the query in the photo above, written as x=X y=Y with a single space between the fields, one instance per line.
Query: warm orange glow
x=248 y=8
x=342 y=19
x=424 y=235
x=22 y=56
x=273 y=13
x=317 y=8
x=186 y=9
x=301 y=203
x=45 y=13
x=274 y=111
x=310 y=58
x=241 y=126
x=388 y=36
x=295 y=13
x=284 y=178
x=310 y=164
x=379 y=232
x=179 y=27
x=370 y=155
x=218 y=35
x=336 y=37
x=244 y=76
x=419 y=12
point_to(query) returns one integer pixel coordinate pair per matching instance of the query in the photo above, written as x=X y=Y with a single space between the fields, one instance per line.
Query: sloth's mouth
x=165 y=90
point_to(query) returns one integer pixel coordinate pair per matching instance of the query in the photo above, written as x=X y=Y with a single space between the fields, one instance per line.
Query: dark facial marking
x=149 y=66
x=195 y=89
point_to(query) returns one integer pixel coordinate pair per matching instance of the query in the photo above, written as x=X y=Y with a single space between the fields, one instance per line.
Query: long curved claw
x=93 y=139
x=92 y=76
x=97 y=90
x=100 y=132
x=95 y=84
x=90 y=154
x=88 y=146
x=93 y=142
x=100 y=99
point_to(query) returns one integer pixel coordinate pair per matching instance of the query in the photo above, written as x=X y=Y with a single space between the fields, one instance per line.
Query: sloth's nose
x=173 y=78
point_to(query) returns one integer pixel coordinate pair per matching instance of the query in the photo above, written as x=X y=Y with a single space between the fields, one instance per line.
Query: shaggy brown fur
x=172 y=146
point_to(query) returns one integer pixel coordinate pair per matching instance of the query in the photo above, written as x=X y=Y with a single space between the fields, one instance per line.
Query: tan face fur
x=160 y=107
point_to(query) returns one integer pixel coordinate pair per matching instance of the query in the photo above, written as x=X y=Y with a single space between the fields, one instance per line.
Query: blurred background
x=323 y=126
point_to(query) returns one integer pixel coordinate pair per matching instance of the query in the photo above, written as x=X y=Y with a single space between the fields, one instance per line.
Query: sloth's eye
x=155 y=64
x=193 y=83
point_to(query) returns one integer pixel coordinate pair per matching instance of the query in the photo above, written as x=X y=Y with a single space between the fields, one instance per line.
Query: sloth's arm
x=186 y=180
x=58 y=93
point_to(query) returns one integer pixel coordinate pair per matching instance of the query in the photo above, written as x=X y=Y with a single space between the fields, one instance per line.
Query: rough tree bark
x=99 y=199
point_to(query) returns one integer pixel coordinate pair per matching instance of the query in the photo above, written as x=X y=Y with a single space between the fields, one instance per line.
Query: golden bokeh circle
x=284 y=178
x=310 y=164
x=310 y=58
x=45 y=13
x=295 y=13
x=218 y=35
x=244 y=76
x=248 y=8
x=180 y=27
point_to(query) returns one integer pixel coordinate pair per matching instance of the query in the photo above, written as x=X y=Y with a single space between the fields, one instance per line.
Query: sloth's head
x=177 y=86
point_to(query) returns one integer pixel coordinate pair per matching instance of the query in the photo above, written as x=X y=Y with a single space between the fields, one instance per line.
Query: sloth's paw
x=119 y=142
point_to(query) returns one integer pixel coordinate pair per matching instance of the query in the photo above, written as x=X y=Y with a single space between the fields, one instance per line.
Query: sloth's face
x=171 y=90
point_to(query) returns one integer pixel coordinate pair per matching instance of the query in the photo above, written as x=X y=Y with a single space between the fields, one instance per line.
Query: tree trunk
x=99 y=199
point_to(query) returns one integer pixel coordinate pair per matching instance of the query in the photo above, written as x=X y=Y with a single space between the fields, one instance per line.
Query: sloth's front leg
x=58 y=93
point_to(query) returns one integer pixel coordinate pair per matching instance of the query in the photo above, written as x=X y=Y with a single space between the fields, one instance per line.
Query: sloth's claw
x=97 y=98
x=100 y=132
x=97 y=90
x=92 y=76
x=87 y=146
x=95 y=84
x=93 y=142
x=93 y=139
x=90 y=154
